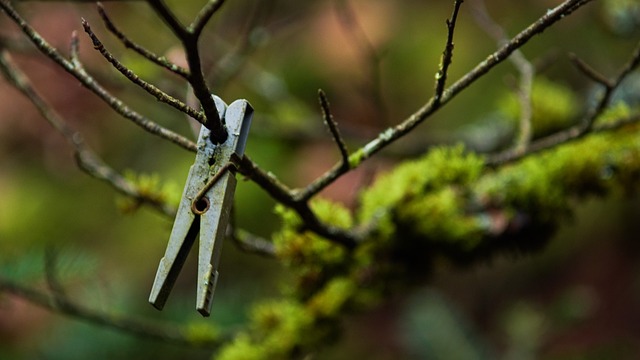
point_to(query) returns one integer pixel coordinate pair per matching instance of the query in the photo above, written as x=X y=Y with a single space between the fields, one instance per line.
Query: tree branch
x=524 y=67
x=128 y=43
x=295 y=201
x=189 y=38
x=447 y=54
x=74 y=68
x=149 y=88
x=391 y=135
x=204 y=16
x=85 y=158
x=62 y=305
x=587 y=124
x=251 y=243
x=333 y=128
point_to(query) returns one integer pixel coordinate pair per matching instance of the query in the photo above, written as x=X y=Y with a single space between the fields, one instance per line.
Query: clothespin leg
x=215 y=220
x=212 y=233
x=183 y=235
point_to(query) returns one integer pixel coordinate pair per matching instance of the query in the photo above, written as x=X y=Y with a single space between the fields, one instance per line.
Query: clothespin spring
x=201 y=203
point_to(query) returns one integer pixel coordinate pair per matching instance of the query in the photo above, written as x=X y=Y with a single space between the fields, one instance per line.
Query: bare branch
x=447 y=54
x=128 y=43
x=204 y=16
x=524 y=67
x=588 y=71
x=390 y=135
x=627 y=68
x=333 y=127
x=86 y=80
x=151 y=89
x=561 y=137
x=85 y=158
x=169 y=18
x=266 y=180
x=295 y=201
x=251 y=243
x=196 y=79
x=64 y=306
x=587 y=124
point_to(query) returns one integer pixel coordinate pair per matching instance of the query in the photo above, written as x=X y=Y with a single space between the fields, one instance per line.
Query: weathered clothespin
x=205 y=207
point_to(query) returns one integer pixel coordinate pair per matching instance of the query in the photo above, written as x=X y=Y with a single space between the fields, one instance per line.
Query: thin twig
x=251 y=243
x=333 y=128
x=266 y=180
x=627 y=68
x=124 y=324
x=588 y=71
x=204 y=16
x=447 y=54
x=151 y=89
x=169 y=18
x=294 y=200
x=87 y=81
x=128 y=43
x=586 y=126
x=558 y=138
x=524 y=67
x=86 y=159
x=189 y=38
x=391 y=135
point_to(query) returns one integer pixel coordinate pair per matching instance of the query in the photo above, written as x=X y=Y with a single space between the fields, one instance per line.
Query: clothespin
x=205 y=207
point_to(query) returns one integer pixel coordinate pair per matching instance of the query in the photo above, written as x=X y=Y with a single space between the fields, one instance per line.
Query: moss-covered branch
x=447 y=206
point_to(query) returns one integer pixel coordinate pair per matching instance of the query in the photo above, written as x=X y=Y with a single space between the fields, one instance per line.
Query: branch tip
x=589 y=71
x=333 y=128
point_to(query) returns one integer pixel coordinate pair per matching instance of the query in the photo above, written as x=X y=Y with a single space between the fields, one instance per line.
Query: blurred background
x=579 y=298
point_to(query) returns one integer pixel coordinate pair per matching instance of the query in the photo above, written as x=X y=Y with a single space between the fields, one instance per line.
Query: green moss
x=312 y=259
x=620 y=110
x=547 y=181
x=356 y=158
x=440 y=167
x=446 y=205
x=332 y=213
x=329 y=302
x=440 y=217
x=278 y=327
